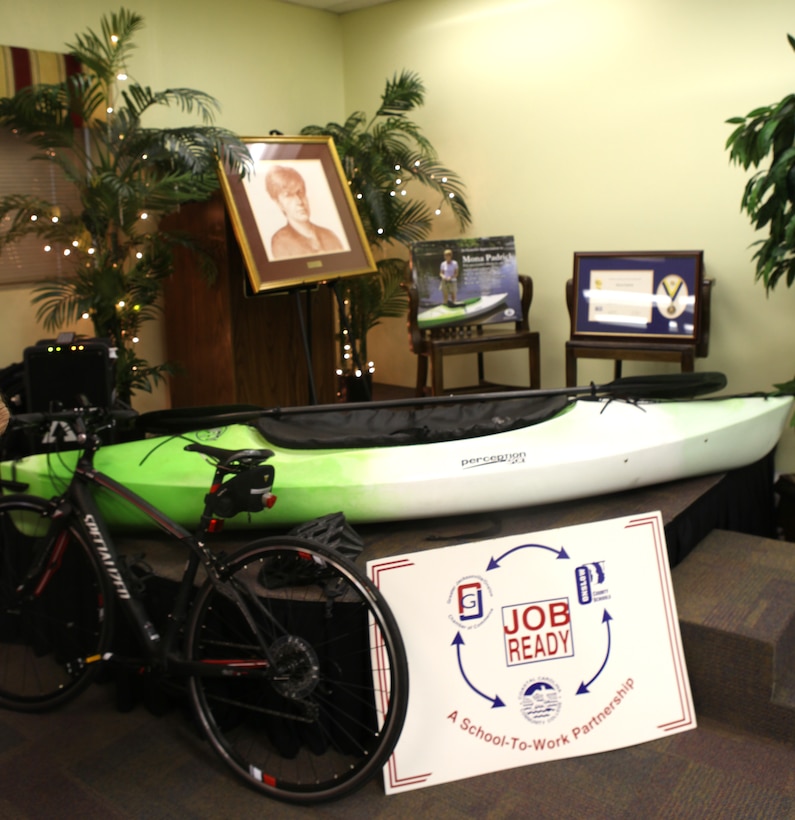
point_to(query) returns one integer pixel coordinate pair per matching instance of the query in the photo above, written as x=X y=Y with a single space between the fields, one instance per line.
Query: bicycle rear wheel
x=323 y=714
x=48 y=632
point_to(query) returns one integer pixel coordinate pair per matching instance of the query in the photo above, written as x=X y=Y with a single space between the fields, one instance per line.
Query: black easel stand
x=305 y=321
x=307 y=341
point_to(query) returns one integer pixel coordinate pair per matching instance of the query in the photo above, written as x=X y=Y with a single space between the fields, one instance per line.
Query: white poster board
x=532 y=648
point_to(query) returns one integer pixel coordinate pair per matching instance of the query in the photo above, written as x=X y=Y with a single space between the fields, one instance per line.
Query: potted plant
x=126 y=177
x=391 y=167
x=769 y=201
x=769 y=194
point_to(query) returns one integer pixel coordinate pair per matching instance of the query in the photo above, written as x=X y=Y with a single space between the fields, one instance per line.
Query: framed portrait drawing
x=294 y=217
x=649 y=295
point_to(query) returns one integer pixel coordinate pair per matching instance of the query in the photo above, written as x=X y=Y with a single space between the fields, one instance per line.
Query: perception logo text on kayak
x=497 y=458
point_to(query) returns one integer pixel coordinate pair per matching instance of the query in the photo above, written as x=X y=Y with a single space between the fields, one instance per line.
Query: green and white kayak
x=560 y=449
x=460 y=312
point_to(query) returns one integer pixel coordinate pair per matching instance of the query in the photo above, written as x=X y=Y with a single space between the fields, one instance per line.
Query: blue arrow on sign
x=495 y=562
x=496 y=701
x=606 y=618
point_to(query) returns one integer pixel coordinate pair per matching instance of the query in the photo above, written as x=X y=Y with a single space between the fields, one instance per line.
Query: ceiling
x=337 y=6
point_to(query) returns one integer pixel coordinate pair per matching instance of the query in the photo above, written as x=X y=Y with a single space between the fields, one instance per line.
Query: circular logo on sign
x=470 y=602
x=539 y=700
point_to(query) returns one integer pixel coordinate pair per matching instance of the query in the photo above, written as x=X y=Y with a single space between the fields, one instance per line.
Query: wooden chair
x=432 y=345
x=684 y=352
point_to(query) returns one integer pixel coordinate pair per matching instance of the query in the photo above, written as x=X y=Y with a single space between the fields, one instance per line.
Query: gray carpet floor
x=89 y=760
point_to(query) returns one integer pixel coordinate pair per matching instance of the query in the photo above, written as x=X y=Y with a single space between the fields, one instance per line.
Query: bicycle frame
x=78 y=503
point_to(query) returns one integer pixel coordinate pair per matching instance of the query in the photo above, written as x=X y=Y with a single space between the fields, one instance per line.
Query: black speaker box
x=66 y=374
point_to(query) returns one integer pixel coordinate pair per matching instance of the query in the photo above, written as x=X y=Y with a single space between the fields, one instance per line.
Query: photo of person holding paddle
x=448 y=273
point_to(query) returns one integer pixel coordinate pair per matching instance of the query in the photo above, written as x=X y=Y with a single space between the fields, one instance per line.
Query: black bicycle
x=294 y=664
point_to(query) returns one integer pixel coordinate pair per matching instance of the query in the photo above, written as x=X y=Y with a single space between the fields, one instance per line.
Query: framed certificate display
x=642 y=295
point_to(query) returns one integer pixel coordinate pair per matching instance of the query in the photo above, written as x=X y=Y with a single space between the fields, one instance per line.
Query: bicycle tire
x=50 y=637
x=327 y=719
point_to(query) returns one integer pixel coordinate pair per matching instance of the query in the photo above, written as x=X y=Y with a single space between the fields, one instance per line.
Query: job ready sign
x=537 y=647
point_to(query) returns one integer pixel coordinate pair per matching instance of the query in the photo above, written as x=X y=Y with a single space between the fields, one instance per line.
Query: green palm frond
x=106 y=54
x=25 y=215
x=393 y=272
x=59 y=304
x=404 y=92
x=397 y=135
x=138 y=99
x=47 y=115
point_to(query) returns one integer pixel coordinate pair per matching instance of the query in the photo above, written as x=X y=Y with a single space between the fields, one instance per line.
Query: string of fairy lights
x=85 y=244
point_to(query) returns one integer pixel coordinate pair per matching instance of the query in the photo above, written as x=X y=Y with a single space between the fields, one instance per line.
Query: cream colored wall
x=271 y=65
x=585 y=126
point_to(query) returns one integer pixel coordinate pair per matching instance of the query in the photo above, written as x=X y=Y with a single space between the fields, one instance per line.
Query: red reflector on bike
x=270 y=500
x=215 y=525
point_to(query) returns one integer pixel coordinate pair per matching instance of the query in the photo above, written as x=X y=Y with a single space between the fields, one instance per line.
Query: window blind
x=26 y=261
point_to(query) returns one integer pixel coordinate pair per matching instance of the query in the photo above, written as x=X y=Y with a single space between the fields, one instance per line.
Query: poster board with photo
x=486 y=284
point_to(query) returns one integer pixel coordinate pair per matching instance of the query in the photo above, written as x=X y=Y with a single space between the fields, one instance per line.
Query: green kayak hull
x=591 y=447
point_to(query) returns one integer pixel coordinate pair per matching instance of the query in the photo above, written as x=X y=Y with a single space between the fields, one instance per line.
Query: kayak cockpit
x=359 y=426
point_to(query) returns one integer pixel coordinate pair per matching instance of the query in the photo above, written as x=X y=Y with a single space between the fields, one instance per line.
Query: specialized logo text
x=106 y=557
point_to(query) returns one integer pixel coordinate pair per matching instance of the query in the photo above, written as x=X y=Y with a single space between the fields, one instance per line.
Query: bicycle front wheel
x=56 y=626
x=317 y=713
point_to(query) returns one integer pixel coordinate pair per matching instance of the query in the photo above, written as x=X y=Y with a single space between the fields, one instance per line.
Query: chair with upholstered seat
x=432 y=345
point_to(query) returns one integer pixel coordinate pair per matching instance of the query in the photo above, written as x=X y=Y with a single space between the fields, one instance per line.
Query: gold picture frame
x=294 y=217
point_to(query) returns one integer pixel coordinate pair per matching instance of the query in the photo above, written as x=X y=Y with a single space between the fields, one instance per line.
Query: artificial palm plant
x=126 y=176
x=391 y=168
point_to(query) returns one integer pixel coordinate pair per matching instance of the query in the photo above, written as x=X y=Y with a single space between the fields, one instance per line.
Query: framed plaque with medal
x=649 y=295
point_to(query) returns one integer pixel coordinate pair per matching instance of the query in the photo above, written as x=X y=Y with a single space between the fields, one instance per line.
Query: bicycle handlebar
x=71 y=415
